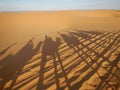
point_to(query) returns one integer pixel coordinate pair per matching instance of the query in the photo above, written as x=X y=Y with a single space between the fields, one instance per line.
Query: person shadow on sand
x=12 y=65
x=50 y=48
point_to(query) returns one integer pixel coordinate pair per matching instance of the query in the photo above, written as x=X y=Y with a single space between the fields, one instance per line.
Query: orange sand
x=61 y=50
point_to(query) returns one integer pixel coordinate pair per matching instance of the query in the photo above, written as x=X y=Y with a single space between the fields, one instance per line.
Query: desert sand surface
x=60 y=50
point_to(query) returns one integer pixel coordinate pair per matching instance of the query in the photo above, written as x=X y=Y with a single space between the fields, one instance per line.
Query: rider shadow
x=12 y=65
x=50 y=48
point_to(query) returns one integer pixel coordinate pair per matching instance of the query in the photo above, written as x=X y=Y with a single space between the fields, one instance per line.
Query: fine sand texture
x=60 y=50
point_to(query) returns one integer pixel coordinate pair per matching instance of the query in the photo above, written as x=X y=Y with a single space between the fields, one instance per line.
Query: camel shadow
x=12 y=65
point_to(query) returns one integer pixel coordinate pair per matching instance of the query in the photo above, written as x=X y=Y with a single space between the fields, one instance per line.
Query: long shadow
x=56 y=62
x=47 y=49
x=72 y=42
x=84 y=53
x=92 y=50
x=76 y=43
x=12 y=65
x=79 y=84
x=50 y=48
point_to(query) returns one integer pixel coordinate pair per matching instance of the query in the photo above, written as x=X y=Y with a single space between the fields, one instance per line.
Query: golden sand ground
x=64 y=50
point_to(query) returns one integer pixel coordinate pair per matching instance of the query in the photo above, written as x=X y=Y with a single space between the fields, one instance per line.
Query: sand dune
x=60 y=50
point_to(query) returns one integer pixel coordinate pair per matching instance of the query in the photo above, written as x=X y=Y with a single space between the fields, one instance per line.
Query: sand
x=60 y=50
